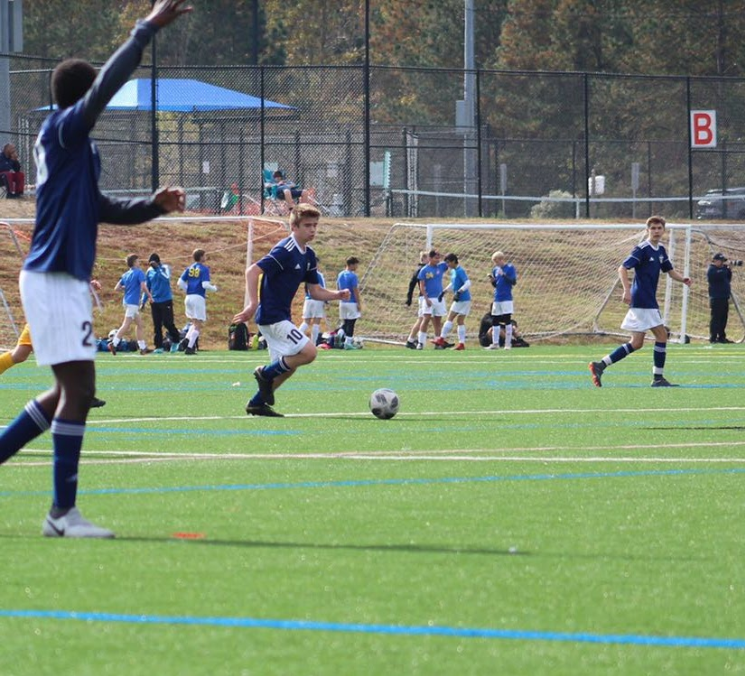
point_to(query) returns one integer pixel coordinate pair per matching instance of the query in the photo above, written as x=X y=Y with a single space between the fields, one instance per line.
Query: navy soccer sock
x=619 y=353
x=29 y=424
x=660 y=353
x=68 y=440
x=275 y=369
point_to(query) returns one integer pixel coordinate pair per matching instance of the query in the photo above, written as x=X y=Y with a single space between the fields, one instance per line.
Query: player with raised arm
x=54 y=282
x=290 y=263
x=647 y=260
x=461 y=306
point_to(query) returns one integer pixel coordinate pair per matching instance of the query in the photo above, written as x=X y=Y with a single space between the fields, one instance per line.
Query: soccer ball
x=384 y=403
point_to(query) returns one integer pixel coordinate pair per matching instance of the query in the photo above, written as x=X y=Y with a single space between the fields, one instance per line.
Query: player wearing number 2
x=289 y=264
x=54 y=280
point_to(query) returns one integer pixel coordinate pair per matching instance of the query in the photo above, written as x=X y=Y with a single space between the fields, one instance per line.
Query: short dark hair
x=451 y=258
x=131 y=260
x=71 y=79
x=433 y=253
x=352 y=260
x=198 y=255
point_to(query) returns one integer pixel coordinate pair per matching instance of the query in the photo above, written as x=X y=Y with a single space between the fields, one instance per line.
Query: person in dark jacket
x=719 y=276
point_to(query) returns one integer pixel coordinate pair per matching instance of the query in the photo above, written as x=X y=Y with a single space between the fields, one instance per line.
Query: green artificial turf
x=512 y=519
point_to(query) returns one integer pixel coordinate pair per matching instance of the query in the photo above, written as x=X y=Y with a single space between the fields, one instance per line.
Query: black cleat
x=112 y=348
x=596 y=368
x=265 y=386
x=410 y=344
x=190 y=350
x=263 y=409
x=97 y=403
x=661 y=382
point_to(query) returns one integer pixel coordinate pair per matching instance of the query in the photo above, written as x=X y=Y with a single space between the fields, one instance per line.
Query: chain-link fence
x=390 y=142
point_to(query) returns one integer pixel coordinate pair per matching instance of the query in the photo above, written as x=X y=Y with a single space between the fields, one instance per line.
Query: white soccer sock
x=303 y=327
x=192 y=336
x=423 y=337
x=508 y=337
x=446 y=329
x=314 y=331
x=142 y=344
x=461 y=333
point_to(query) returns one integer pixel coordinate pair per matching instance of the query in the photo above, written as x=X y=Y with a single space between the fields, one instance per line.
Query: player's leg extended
x=621 y=352
x=35 y=419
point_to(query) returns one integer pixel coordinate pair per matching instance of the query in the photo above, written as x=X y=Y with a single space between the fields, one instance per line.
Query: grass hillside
x=224 y=241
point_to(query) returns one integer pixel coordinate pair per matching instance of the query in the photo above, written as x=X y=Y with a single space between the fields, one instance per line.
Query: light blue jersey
x=321 y=283
x=347 y=280
x=647 y=263
x=432 y=277
x=131 y=282
x=159 y=282
x=458 y=278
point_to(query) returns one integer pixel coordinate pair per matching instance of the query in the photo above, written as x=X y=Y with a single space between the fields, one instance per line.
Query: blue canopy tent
x=198 y=101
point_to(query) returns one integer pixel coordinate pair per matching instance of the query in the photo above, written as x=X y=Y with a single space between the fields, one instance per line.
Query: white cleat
x=72 y=525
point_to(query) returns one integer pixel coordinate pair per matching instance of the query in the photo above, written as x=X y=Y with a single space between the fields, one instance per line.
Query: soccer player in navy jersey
x=55 y=276
x=503 y=277
x=647 y=260
x=290 y=263
x=431 y=301
x=195 y=280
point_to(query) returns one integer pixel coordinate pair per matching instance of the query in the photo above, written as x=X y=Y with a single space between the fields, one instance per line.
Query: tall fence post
x=586 y=79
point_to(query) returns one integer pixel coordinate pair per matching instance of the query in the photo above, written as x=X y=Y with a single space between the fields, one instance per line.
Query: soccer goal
x=567 y=276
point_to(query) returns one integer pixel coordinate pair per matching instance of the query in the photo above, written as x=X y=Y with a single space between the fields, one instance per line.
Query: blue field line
x=388 y=629
x=389 y=482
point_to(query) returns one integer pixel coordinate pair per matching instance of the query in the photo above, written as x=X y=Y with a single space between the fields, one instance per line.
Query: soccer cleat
x=419 y=346
x=726 y=341
x=72 y=525
x=112 y=348
x=493 y=346
x=661 y=382
x=265 y=386
x=596 y=368
x=411 y=345
x=158 y=350
x=263 y=409
x=97 y=403
x=351 y=346
x=190 y=350
x=145 y=350
x=183 y=344
x=174 y=347
x=459 y=347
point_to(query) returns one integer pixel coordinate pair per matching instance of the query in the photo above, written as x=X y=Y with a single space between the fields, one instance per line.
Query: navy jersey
x=504 y=282
x=194 y=275
x=285 y=268
x=321 y=281
x=647 y=263
x=69 y=205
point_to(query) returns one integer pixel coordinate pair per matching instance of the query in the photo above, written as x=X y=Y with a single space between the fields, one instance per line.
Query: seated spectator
x=485 y=334
x=284 y=189
x=10 y=171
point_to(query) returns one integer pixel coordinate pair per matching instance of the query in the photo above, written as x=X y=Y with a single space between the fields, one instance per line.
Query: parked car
x=715 y=204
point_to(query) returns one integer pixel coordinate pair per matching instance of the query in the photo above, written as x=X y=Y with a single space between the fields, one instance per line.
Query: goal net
x=567 y=276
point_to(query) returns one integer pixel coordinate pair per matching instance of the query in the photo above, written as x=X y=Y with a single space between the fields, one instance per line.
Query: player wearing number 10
x=56 y=273
x=290 y=263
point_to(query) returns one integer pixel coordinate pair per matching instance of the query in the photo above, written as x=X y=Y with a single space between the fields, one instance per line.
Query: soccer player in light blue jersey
x=290 y=263
x=195 y=280
x=461 y=306
x=647 y=260
x=349 y=311
x=54 y=282
x=133 y=284
x=431 y=303
x=158 y=279
x=313 y=310
x=503 y=277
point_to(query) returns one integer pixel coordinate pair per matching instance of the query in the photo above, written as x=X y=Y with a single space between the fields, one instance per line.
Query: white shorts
x=349 y=311
x=131 y=311
x=461 y=307
x=641 y=319
x=60 y=314
x=437 y=309
x=504 y=307
x=283 y=339
x=196 y=307
x=314 y=309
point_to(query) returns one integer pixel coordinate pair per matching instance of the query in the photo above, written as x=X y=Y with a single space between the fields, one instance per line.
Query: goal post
x=567 y=276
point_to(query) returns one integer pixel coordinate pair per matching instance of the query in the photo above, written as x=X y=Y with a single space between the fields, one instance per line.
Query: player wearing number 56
x=56 y=273
x=289 y=264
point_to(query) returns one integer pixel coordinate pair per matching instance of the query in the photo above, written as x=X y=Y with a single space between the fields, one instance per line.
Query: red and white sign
x=703 y=129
